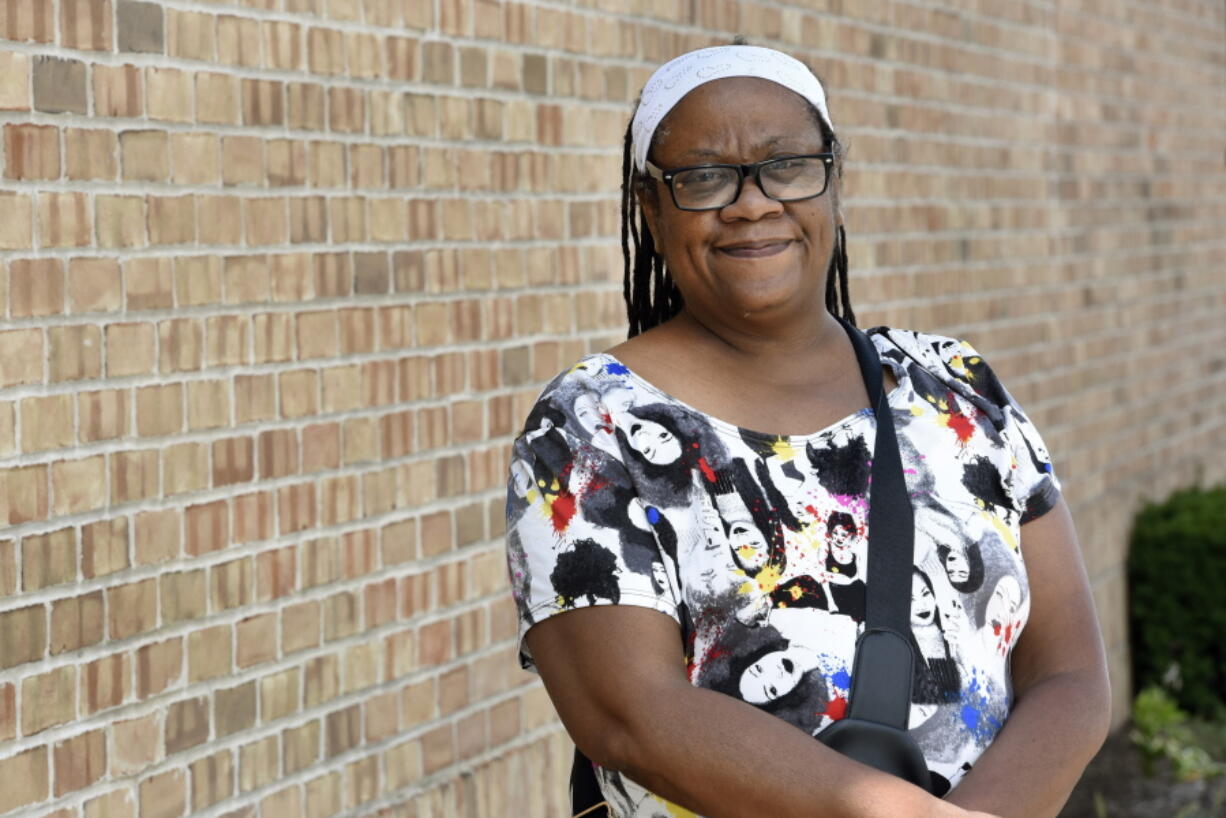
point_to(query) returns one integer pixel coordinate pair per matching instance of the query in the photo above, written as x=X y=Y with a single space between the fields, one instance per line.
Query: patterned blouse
x=755 y=544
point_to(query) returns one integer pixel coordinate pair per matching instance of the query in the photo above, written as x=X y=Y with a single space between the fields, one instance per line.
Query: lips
x=761 y=248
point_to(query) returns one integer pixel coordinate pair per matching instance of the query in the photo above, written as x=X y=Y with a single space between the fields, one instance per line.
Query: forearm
x=1055 y=728
x=723 y=758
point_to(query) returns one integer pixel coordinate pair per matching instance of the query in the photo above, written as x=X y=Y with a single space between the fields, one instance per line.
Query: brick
x=230 y=584
x=256 y=640
x=275 y=574
x=76 y=352
x=102 y=415
x=132 y=608
x=90 y=154
x=48 y=559
x=150 y=283
x=64 y=220
x=48 y=699
x=308 y=222
x=114 y=804
x=7 y=711
x=234 y=709
x=208 y=655
x=23 y=632
x=14 y=81
x=79 y=761
x=246 y=279
x=79 y=485
x=59 y=85
x=187 y=724
x=299 y=393
x=86 y=24
x=342 y=730
x=305 y=106
x=17 y=231
x=266 y=221
x=130 y=349
x=263 y=102
x=212 y=779
x=286 y=163
x=172 y=219
x=134 y=475
x=198 y=278
x=118 y=91
x=158 y=666
x=283 y=45
x=217 y=99
x=195 y=159
x=36 y=287
x=208 y=404
x=157 y=536
x=21 y=356
x=207 y=527
x=120 y=221
x=94 y=285
x=300 y=625
x=317 y=334
x=105 y=682
x=159 y=410
x=136 y=744
x=184 y=596
x=190 y=35
x=186 y=468
x=238 y=41
x=32 y=151
x=27 y=777
x=321 y=445
x=253 y=517
x=219 y=219
x=360 y=441
x=361 y=667
x=300 y=746
x=104 y=547
x=46 y=423
x=254 y=398
x=163 y=795
x=258 y=764
x=139 y=26
x=321 y=680
x=145 y=156
x=278 y=453
x=8 y=567
x=168 y=95
x=341 y=615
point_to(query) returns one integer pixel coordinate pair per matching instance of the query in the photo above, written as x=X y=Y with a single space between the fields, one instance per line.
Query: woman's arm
x=617 y=678
x=1062 y=701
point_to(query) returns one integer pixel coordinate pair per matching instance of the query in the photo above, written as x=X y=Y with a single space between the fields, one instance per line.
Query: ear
x=649 y=203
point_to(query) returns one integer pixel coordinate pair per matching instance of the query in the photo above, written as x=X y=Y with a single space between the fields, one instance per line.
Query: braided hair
x=650 y=293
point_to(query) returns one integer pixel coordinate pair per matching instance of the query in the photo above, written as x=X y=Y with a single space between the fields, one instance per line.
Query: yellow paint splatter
x=768 y=578
x=674 y=810
x=783 y=449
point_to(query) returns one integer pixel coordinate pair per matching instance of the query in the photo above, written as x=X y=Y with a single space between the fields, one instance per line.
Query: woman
x=736 y=285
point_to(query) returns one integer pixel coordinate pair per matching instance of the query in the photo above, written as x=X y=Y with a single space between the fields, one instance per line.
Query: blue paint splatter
x=616 y=369
x=653 y=515
x=976 y=712
x=842 y=679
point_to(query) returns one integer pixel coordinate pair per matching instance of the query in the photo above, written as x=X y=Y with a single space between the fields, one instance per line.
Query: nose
x=752 y=203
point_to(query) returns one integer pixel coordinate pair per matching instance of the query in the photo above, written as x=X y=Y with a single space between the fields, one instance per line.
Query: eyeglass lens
x=785 y=179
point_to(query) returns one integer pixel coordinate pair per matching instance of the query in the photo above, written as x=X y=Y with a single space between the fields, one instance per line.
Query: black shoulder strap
x=879 y=691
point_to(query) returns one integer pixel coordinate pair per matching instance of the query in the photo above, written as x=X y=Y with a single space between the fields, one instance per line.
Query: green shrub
x=1177 y=580
x=1161 y=730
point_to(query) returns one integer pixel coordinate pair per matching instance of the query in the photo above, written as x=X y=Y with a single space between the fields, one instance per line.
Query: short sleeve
x=1034 y=485
x=577 y=533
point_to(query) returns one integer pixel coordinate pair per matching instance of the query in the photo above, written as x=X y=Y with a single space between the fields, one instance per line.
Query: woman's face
x=775 y=674
x=923 y=603
x=1003 y=605
x=657 y=444
x=840 y=543
x=748 y=544
x=956 y=566
x=588 y=412
x=757 y=256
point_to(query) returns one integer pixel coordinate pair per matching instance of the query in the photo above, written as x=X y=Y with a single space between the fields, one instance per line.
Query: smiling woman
x=687 y=512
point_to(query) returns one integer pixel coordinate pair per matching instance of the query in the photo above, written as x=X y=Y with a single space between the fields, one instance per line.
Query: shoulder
x=954 y=362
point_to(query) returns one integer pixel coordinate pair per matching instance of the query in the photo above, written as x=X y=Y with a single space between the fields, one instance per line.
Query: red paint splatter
x=836 y=708
x=707 y=471
x=563 y=509
x=962 y=426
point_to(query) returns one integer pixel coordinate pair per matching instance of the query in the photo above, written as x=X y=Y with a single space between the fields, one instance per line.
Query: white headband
x=679 y=76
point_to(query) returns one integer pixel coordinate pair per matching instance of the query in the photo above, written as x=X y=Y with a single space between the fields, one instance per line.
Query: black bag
x=874 y=731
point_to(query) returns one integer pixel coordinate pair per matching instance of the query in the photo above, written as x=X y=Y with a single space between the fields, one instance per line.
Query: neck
x=797 y=344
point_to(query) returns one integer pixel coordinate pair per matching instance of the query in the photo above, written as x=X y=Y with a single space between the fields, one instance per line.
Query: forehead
x=745 y=112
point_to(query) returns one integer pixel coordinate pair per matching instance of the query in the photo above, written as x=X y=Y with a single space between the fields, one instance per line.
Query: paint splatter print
x=755 y=544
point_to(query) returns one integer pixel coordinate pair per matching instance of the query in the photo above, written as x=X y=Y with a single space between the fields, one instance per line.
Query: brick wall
x=279 y=278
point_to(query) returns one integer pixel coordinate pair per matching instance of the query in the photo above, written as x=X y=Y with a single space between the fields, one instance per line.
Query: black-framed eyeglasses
x=711 y=187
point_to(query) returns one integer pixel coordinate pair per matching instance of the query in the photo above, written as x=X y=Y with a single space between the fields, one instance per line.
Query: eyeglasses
x=711 y=187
